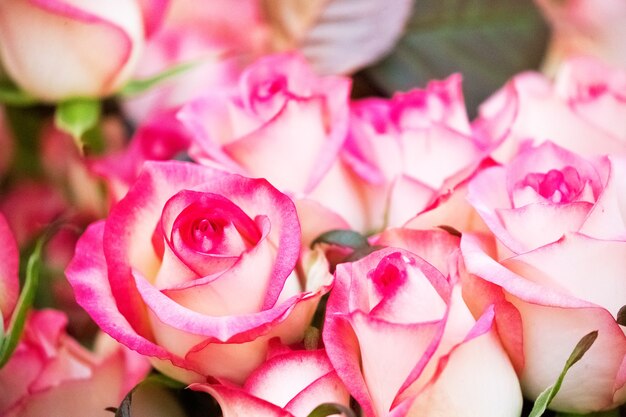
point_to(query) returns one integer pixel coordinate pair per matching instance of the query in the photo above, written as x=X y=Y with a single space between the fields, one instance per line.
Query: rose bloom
x=195 y=268
x=283 y=118
x=401 y=338
x=408 y=154
x=288 y=384
x=209 y=37
x=556 y=271
x=585 y=27
x=59 y=49
x=52 y=374
x=582 y=110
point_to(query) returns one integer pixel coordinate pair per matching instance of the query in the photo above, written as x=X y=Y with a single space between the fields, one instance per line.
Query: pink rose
x=556 y=271
x=66 y=40
x=288 y=384
x=409 y=153
x=283 y=119
x=9 y=269
x=211 y=38
x=547 y=192
x=403 y=341
x=582 y=110
x=195 y=268
x=585 y=27
x=50 y=372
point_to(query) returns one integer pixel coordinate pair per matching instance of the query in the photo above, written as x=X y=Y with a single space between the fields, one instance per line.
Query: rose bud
x=403 y=341
x=288 y=384
x=58 y=49
x=52 y=374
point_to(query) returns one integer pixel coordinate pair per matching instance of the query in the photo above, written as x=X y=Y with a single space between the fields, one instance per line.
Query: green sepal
x=342 y=237
x=125 y=406
x=25 y=301
x=543 y=400
x=329 y=409
x=11 y=95
x=77 y=116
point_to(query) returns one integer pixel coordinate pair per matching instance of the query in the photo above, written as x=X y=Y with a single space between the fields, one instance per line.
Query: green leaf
x=329 y=409
x=134 y=87
x=25 y=301
x=341 y=237
x=621 y=316
x=10 y=94
x=544 y=399
x=486 y=40
x=77 y=116
x=124 y=410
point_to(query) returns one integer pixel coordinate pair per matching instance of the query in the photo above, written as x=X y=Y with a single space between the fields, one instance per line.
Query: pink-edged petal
x=571 y=264
x=87 y=274
x=9 y=268
x=316 y=219
x=297 y=131
x=115 y=27
x=153 y=12
x=549 y=156
x=434 y=246
x=342 y=347
x=221 y=295
x=450 y=209
x=326 y=389
x=435 y=154
x=538 y=224
x=465 y=386
x=607 y=218
x=389 y=367
x=480 y=263
x=259 y=197
x=407 y=198
x=341 y=191
x=282 y=377
x=550 y=334
x=78 y=397
x=235 y=402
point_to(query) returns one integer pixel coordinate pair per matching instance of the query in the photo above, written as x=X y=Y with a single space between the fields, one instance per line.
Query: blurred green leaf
x=543 y=400
x=329 y=409
x=77 y=116
x=11 y=95
x=134 y=87
x=24 y=302
x=341 y=237
x=124 y=410
x=486 y=40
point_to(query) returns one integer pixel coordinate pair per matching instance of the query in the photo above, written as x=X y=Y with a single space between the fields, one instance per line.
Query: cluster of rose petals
x=555 y=269
x=64 y=58
x=410 y=152
x=552 y=268
x=288 y=384
x=165 y=273
x=403 y=341
x=50 y=372
x=582 y=110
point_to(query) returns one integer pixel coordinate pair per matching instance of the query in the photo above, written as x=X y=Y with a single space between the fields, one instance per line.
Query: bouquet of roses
x=312 y=208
